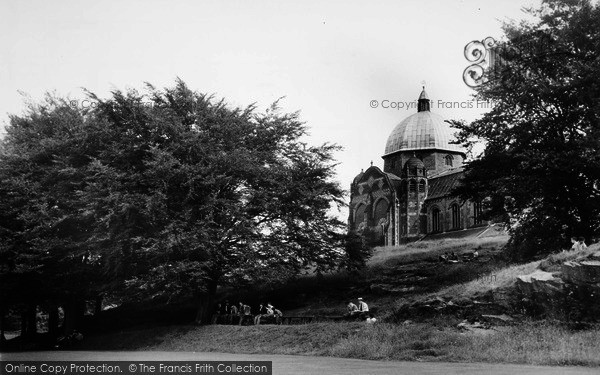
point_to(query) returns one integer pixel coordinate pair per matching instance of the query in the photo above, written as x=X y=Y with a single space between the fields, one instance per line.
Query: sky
x=330 y=59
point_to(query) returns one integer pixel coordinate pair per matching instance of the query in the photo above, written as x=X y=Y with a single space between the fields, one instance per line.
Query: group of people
x=578 y=243
x=451 y=257
x=242 y=314
x=359 y=311
x=268 y=312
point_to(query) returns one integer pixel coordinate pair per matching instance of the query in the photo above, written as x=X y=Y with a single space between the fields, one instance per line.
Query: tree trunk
x=98 y=305
x=23 y=322
x=53 y=321
x=31 y=324
x=74 y=311
x=2 y=324
x=206 y=301
x=69 y=322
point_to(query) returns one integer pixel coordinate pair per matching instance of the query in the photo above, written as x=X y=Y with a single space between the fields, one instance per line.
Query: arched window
x=359 y=216
x=422 y=186
x=477 y=210
x=381 y=210
x=412 y=186
x=449 y=160
x=455 y=216
x=435 y=220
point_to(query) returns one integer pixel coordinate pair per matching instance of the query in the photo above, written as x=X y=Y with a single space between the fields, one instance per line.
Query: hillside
x=417 y=284
x=427 y=310
x=398 y=274
x=527 y=343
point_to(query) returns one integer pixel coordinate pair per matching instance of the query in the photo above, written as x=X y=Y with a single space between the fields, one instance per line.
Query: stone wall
x=467 y=219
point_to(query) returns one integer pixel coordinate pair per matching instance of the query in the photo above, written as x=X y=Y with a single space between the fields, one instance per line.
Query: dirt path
x=306 y=365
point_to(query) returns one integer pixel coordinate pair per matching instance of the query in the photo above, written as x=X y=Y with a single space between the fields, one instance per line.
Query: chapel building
x=412 y=197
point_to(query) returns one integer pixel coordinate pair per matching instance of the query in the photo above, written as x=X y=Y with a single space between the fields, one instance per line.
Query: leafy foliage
x=163 y=194
x=541 y=164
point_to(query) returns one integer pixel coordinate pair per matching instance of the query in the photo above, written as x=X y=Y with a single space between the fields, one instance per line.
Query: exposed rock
x=581 y=272
x=536 y=275
x=539 y=282
x=435 y=301
x=389 y=288
x=476 y=327
x=582 y=279
x=542 y=293
x=497 y=318
x=461 y=308
x=570 y=295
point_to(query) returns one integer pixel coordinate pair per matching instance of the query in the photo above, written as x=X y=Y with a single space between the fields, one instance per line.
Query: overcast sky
x=330 y=59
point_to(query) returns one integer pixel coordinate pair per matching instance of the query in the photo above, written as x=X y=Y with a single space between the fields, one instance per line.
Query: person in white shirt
x=578 y=244
x=362 y=306
x=270 y=311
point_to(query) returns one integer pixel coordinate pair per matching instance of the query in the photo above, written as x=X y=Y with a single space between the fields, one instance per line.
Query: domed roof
x=414 y=162
x=422 y=130
x=358 y=176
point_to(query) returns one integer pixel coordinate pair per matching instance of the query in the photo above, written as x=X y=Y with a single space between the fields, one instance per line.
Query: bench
x=348 y=318
x=249 y=320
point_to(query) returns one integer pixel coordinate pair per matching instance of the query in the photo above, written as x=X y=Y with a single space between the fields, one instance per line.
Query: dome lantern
x=423 y=102
x=423 y=130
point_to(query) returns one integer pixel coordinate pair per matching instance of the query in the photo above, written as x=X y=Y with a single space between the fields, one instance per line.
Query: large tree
x=166 y=194
x=43 y=226
x=541 y=164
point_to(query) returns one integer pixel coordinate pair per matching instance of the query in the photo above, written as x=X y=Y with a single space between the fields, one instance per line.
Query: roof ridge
x=448 y=172
x=392 y=175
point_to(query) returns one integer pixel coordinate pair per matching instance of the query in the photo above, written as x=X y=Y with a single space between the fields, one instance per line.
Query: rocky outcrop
x=573 y=294
x=539 y=283
x=463 y=308
x=497 y=319
x=390 y=288
x=582 y=272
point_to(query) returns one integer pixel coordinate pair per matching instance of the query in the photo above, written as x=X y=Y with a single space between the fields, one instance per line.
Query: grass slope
x=413 y=273
x=395 y=275
x=526 y=343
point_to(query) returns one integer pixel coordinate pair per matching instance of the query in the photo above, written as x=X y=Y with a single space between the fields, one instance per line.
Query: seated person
x=578 y=244
x=262 y=310
x=224 y=312
x=245 y=314
x=233 y=313
x=277 y=314
x=352 y=309
x=216 y=314
x=269 y=316
x=362 y=306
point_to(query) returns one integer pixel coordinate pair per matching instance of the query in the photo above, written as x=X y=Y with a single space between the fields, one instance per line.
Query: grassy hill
x=408 y=285
x=396 y=275
x=529 y=342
